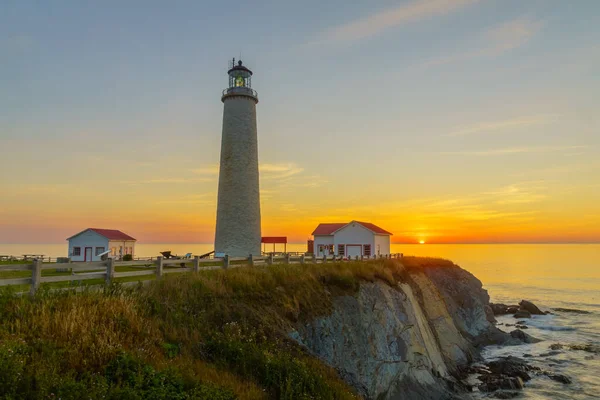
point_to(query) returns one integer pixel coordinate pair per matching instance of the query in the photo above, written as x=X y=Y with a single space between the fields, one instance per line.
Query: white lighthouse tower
x=238 y=207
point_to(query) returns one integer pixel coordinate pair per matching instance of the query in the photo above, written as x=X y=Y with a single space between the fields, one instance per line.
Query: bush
x=128 y=257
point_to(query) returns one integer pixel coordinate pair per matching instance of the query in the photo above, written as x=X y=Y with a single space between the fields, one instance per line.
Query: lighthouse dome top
x=239 y=67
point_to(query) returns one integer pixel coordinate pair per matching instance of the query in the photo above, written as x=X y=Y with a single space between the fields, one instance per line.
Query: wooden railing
x=82 y=271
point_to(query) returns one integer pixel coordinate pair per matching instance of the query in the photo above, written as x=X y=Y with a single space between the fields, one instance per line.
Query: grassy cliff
x=212 y=335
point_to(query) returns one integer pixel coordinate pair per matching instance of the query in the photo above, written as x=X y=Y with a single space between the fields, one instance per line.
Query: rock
x=522 y=322
x=512 y=367
x=512 y=309
x=556 y=346
x=590 y=348
x=527 y=355
x=497 y=382
x=518 y=326
x=558 y=377
x=522 y=336
x=521 y=313
x=532 y=308
x=499 y=308
x=571 y=310
x=588 y=358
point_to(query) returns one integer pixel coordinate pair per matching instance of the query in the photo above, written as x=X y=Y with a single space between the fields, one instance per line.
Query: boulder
x=558 y=378
x=512 y=309
x=556 y=346
x=521 y=313
x=498 y=382
x=518 y=326
x=499 y=308
x=522 y=336
x=532 y=308
x=512 y=367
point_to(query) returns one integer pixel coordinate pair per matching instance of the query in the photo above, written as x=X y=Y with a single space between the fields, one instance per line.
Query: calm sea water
x=564 y=275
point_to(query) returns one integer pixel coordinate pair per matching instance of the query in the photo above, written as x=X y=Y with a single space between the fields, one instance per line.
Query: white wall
x=383 y=241
x=87 y=239
x=322 y=240
x=118 y=244
x=353 y=234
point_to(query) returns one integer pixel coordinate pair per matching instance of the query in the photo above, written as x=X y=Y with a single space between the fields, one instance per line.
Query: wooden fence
x=106 y=269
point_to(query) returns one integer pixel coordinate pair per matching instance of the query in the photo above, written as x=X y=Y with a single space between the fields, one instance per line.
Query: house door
x=353 y=250
x=88 y=254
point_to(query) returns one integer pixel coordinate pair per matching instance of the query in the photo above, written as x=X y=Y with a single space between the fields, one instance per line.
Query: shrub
x=127 y=257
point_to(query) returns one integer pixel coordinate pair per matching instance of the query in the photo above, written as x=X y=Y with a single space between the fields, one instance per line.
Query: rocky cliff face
x=408 y=341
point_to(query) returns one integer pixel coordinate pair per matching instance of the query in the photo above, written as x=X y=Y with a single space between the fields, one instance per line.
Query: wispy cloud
x=512 y=34
x=166 y=181
x=487 y=127
x=375 y=24
x=495 y=41
x=514 y=150
x=279 y=171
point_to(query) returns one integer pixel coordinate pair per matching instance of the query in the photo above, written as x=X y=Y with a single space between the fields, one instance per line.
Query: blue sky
x=398 y=112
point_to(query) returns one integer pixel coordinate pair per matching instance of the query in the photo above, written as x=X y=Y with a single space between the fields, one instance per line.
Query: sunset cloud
x=515 y=150
x=379 y=22
x=488 y=127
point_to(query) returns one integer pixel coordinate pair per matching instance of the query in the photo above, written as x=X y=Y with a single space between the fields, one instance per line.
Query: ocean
x=549 y=275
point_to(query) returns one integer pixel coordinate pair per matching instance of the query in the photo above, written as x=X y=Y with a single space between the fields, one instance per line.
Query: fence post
x=287 y=258
x=159 y=267
x=270 y=259
x=324 y=258
x=251 y=260
x=36 y=276
x=226 y=261
x=110 y=270
x=302 y=259
x=196 y=263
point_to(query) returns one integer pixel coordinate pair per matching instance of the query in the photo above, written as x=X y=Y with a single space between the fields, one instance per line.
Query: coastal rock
x=412 y=341
x=532 y=308
x=556 y=346
x=519 y=326
x=522 y=336
x=512 y=309
x=590 y=348
x=559 y=377
x=503 y=309
x=496 y=382
x=522 y=313
x=512 y=367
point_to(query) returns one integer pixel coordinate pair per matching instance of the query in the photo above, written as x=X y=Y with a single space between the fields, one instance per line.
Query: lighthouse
x=238 y=204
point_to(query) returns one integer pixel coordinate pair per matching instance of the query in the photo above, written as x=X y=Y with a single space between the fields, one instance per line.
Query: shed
x=351 y=239
x=88 y=244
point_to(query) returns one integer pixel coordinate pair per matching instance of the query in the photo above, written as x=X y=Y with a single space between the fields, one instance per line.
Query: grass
x=210 y=335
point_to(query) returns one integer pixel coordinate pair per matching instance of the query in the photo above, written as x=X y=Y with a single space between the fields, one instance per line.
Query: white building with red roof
x=90 y=243
x=351 y=239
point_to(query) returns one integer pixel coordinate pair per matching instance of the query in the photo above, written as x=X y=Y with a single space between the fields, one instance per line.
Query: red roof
x=330 y=229
x=273 y=239
x=110 y=234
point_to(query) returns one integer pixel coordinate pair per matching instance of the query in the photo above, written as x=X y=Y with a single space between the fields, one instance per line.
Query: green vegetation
x=211 y=335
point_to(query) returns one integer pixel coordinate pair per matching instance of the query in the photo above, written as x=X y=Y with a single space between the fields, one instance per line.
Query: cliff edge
x=409 y=340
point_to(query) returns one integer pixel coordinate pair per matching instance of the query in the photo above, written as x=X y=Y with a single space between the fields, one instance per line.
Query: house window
x=330 y=249
x=99 y=250
x=367 y=250
x=341 y=250
x=76 y=251
x=113 y=250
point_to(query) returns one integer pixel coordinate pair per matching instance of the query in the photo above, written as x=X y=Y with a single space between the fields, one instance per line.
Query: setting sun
x=421 y=242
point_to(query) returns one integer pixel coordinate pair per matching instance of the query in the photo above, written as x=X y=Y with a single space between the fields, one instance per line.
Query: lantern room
x=240 y=81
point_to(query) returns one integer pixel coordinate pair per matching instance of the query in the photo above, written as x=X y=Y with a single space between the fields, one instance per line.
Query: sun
x=421 y=242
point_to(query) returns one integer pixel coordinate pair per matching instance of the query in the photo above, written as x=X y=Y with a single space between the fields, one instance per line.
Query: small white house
x=351 y=239
x=89 y=244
